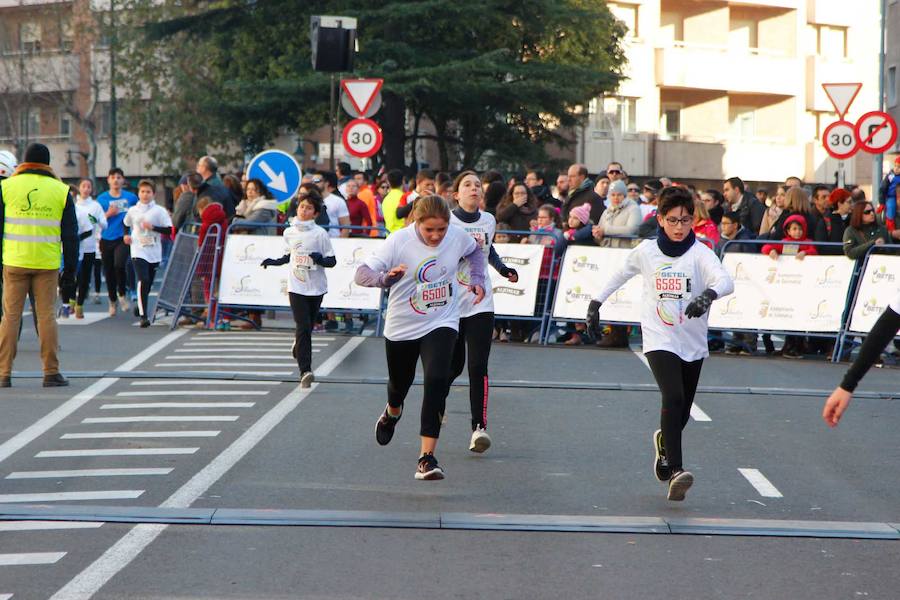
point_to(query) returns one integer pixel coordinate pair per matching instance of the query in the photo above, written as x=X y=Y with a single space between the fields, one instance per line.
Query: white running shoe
x=480 y=441
x=679 y=484
x=306 y=379
x=124 y=305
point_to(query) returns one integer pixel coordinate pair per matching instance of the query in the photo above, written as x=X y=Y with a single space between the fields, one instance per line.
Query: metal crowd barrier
x=189 y=282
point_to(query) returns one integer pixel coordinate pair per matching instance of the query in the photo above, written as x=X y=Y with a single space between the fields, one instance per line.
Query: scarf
x=466 y=216
x=671 y=248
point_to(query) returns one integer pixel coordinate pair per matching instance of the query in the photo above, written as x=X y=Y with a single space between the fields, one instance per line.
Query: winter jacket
x=517 y=217
x=779 y=248
x=581 y=236
x=217 y=192
x=831 y=228
x=771 y=216
x=707 y=230
x=261 y=210
x=585 y=194
x=751 y=211
x=543 y=195
x=623 y=219
x=858 y=241
x=213 y=214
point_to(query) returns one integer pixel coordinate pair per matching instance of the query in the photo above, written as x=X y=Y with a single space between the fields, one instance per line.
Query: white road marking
x=47 y=526
x=114 y=452
x=182 y=352
x=5 y=596
x=87 y=473
x=237 y=344
x=223 y=364
x=259 y=335
x=69 y=496
x=697 y=413
x=29 y=434
x=32 y=558
x=762 y=485
x=109 y=435
x=174 y=381
x=254 y=373
x=95 y=420
x=192 y=393
x=117 y=557
x=224 y=359
x=178 y=405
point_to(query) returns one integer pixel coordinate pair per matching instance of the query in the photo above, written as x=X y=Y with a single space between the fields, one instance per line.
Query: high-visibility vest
x=33 y=207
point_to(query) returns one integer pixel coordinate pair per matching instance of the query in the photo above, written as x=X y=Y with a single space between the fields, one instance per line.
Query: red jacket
x=779 y=248
x=213 y=214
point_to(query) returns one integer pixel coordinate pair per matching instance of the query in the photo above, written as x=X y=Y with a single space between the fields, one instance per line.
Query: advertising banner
x=584 y=271
x=517 y=299
x=877 y=286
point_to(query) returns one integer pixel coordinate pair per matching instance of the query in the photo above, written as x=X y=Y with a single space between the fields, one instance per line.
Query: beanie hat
x=897 y=161
x=37 y=153
x=582 y=212
x=837 y=196
x=618 y=187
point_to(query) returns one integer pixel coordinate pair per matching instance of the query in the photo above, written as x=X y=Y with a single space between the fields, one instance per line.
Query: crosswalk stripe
x=114 y=452
x=192 y=393
x=69 y=496
x=47 y=526
x=31 y=558
x=223 y=364
x=183 y=357
x=202 y=382
x=143 y=405
x=166 y=419
x=255 y=373
x=109 y=435
x=87 y=473
x=237 y=350
x=762 y=485
x=237 y=344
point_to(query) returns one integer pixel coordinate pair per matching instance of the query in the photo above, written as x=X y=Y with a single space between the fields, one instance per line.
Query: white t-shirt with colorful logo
x=146 y=243
x=426 y=297
x=670 y=283
x=302 y=239
x=482 y=231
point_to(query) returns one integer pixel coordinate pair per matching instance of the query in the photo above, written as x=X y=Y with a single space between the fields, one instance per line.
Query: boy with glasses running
x=682 y=277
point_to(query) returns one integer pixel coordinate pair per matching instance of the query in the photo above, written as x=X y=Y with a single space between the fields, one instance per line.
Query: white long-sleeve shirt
x=670 y=283
x=97 y=216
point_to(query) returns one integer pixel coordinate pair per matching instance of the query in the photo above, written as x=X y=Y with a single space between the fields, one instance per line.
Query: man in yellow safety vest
x=38 y=226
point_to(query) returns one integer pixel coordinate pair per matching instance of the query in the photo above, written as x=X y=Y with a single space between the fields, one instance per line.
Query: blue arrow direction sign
x=278 y=170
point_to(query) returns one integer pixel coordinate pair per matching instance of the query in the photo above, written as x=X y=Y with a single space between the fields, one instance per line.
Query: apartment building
x=733 y=88
x=892 y=63
x=55 y=87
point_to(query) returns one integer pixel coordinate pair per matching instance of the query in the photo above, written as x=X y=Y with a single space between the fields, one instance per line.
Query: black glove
x=316 y=257
x=510 y=273
x=593 y=318
x=699 y=305
x=271 y=262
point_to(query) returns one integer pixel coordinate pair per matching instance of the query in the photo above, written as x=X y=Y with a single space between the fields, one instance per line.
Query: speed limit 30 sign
x=840 y=139
x=362 y=138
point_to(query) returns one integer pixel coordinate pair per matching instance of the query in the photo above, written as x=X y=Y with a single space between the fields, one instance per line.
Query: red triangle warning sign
x=362 y=92
x=841 y=95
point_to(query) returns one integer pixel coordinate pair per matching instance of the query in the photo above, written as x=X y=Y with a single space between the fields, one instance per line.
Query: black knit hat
x=37 y=153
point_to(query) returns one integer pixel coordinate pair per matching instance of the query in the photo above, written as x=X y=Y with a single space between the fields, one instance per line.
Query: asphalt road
x=577 y=462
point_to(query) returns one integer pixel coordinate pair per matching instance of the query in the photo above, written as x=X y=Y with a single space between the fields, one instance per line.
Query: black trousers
x=677 y=380
x=145 y=272
x=402 y=357
x=474 y=343
x=115 y=258
x=84 y=277
x=98 y=272
x=305 y=309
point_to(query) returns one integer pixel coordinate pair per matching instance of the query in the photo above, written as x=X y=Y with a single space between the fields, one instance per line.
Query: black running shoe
x=660 y=463
x=428 y=468
x=384 y=428
x=679 y=484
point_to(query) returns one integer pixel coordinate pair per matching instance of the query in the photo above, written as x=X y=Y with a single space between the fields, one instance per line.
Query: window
x=30 y=37
x=626 y=115
x=670 y=120
x=66 y=36
x=628 y=14
x=743 y=121
x=30 y=123
x=891 y=86
x=105 y=125
x=65 y=124
x=831 y=41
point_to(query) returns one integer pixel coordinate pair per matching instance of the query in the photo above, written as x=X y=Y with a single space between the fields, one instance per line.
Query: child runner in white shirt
x=682 y=277
x=476 y=321
x=309 y=252
x=420 y=263
x=97 y=217
x=145 y=223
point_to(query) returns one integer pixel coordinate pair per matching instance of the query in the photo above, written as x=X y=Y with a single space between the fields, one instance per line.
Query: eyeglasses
x=384 y=186
x=317 y=180
x=613 y=171
x=682 y=221
x=634 y=189
x=868 y=211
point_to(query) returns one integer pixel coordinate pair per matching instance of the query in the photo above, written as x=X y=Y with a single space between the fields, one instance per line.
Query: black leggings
x=84 y=277
x=115 y=257
x=305 y=309
x=677 y=380
x=474 y=340
x=402 y=356
x=98 y=272
x=145 y=272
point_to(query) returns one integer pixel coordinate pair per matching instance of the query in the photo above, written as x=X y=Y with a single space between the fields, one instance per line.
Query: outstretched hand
x=835 y=406
x=698 y=306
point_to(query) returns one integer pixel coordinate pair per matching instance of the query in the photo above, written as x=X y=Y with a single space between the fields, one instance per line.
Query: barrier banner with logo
x=517 y=299
x=878 y=284
x=243 y=282
x=785 y=294
x=584 y=272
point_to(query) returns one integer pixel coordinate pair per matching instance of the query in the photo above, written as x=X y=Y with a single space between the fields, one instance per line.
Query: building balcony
x=820 y=70
x=38 y=73
x=829 y=12
x=789 y=4
x=718 y=68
